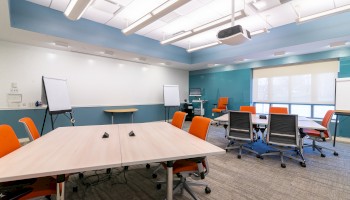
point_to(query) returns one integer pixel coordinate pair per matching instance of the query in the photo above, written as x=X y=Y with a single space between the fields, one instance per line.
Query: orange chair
x=221 y=105
x=278 y=110
x=317 y=136
x=178 y=119
x=30 y=188
x=30 y=127
x=194 y=168
x=250 y=109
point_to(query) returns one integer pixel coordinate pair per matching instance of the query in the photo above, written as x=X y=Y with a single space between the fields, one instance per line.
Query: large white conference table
x=68 y=150
x=303 y=122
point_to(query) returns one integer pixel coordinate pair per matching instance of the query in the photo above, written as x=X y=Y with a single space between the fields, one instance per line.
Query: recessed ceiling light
x=337 y=44
x=279 y=53
x=61 y=44
x=108 y=52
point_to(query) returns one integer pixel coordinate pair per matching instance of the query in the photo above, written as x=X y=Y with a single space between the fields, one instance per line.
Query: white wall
x=92 y=80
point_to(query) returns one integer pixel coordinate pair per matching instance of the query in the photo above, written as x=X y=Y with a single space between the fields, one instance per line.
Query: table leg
x=60 y=187
x=335 y=129
x=132 y=117
x=112 y=118
x=169 y=185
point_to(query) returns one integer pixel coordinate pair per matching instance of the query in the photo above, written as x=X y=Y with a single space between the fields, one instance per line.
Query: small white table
x=127 y=110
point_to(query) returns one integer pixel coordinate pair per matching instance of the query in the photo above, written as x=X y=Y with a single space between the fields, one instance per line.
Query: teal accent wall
x=344 y=121
x=83 y=116
x=234 y=84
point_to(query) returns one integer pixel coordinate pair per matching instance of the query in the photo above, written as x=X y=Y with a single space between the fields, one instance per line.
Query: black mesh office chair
x=283 y=135
x=240 y=132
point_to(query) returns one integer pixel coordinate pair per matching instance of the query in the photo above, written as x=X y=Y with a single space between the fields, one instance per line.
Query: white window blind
x=310 y=83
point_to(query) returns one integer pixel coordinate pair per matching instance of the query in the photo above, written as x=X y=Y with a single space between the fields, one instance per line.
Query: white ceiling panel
x=279 y=16
x=60 y=5
x=45 y=3
x=138 y=8
x=339 y=3
x=97 y=15
x=155 y=25
x=189 y=7
x=122 y=2
x=106 y=6
x=309 y=7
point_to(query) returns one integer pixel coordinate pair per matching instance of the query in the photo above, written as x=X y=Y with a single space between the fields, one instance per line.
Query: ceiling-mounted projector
x=234 y=35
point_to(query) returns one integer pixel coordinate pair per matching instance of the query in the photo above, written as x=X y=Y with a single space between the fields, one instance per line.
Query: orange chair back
x=30 y=127
x=326 y=120
x=8 y=140
x=222 y=103
x=250 y=109
x=200 y=127
x=178 y=119
x=278 y=110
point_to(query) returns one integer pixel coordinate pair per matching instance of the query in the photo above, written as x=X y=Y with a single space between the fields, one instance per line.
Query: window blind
x=309 y=83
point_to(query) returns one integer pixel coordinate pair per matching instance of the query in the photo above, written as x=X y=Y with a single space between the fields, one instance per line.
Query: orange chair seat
x=44 y=186
x=184 y=165
x=217 y=110
x=314 y=133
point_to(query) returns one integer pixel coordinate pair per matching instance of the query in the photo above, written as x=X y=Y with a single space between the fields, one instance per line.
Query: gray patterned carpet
x=232 y=178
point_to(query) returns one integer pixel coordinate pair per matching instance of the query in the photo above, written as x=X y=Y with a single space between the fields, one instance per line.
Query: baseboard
x=342 y=139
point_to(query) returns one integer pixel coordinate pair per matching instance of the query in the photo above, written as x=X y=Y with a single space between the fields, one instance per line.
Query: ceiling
x=120 y=13
x=273 y=13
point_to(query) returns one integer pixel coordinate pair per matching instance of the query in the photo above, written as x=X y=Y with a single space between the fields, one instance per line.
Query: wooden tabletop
x=303 y=122
x=160 y=141
x=126 y=110
x=63 y=151
x=81 y=148
x=342 y=112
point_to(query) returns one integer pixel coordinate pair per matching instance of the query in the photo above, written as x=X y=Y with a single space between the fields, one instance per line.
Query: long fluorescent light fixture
x=203 y=46
x=321 y=14
x=155 y=14
x=76 y=8
x=205 y=27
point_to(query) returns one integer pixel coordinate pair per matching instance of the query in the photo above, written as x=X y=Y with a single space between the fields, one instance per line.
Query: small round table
x=126 y=110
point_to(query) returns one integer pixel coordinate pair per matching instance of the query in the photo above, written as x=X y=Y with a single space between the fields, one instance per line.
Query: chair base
x=182 y=183
x=240 y=146
x=281 y=152
x=319 y=148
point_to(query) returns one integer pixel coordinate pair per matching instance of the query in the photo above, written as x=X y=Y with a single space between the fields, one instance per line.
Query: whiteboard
x=57 y=96
x=342 y=94
x=171 y=95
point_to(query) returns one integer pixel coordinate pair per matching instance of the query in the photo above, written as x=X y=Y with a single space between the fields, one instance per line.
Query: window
x=262 y=107
x=301 y=110
x=311 y=83
x=320 y=110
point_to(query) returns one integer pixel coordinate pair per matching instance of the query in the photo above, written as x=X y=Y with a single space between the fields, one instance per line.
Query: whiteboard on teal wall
x=171 y=95
x=342 y=94
x=56 y=95
x=92 y=80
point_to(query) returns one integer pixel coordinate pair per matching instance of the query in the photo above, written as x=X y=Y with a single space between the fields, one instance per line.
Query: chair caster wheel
x=283 y=165
x=302 y=164
x=159 y=186
x=207 y=190
x=322 y=155
x=75 y=189
x=148 y=166
x=108 y=171
x=154 y=175
x=335 y=153
x=126 y=168
x=258 y=156
x=81 y=175
x=48 y=197
x=239 y=156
